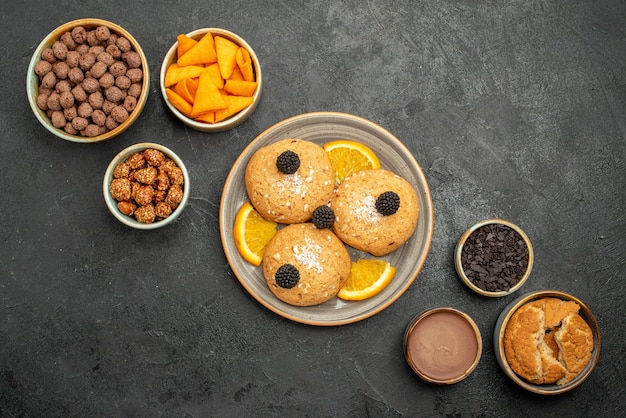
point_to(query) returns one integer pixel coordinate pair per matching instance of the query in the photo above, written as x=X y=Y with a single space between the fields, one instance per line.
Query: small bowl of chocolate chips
x=494 y=257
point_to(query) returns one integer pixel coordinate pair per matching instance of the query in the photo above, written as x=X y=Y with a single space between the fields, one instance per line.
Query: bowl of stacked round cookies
x=88 y=81
x=547 y=342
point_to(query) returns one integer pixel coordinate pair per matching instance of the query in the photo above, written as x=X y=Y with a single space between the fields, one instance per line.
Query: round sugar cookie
x=321 y=260
x=289 y=198
x=359 y=223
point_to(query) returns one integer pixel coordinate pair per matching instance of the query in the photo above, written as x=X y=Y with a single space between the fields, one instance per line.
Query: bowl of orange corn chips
x=211 y=79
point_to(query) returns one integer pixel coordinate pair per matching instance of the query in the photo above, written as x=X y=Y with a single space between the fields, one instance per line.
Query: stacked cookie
x=548 y=342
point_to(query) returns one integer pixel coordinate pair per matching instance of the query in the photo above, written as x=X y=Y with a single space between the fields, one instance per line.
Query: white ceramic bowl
x=112 y=203
x=236 y=119
x=32 y=80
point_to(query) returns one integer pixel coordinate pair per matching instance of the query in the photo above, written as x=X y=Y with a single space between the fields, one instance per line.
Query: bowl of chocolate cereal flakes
x=88 y=81
x=146 y=186
x=494 y=257
x=547 y=341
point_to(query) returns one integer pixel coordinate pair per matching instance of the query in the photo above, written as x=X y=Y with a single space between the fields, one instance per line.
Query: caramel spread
x=442 y=346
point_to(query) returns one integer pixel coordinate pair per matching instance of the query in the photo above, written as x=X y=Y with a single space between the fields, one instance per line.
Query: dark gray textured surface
x=513 y=109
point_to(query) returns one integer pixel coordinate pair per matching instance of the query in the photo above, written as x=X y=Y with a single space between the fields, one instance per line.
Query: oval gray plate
x=322 y=127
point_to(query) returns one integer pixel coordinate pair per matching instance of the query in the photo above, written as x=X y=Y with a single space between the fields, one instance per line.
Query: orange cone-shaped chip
x=179 y=103
x=240 y=88
x=201 y=53
x=175 y=73
x=208 y=96
x=208 y=117
x=235 y=104
x=226 y=51
x=236 y=75
x=244 y=62
x=186 y=88
x=216 y=75
x=185 y=43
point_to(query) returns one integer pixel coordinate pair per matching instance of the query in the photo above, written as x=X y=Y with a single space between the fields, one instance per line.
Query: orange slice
x=368 y=277
x=349 y=157
x=252 y=233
